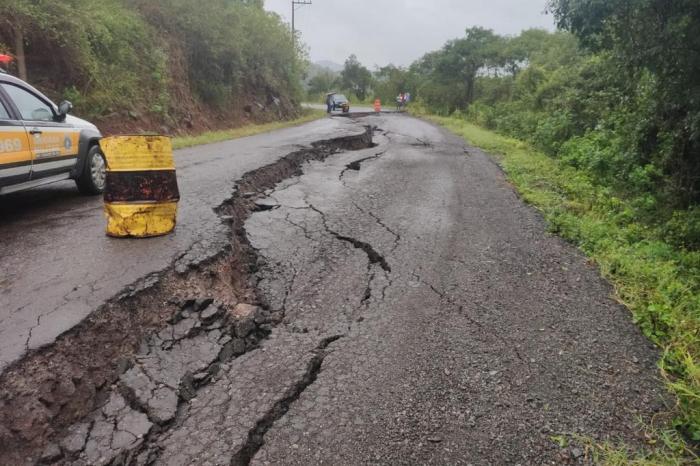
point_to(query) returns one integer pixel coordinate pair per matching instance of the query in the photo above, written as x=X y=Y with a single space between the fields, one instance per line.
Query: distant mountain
x=331 y=65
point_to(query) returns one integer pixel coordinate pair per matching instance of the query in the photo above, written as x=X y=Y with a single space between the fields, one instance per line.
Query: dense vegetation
x=176 y=63
x=612 y=101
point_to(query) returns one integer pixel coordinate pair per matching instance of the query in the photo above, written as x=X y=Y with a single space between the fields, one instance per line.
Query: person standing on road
x=329 y=103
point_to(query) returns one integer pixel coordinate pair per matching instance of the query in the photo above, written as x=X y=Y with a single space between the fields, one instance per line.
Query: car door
x=54 y=144
x=15 y=153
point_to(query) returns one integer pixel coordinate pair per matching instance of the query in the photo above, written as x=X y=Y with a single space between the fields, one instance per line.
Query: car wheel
x=92 y=180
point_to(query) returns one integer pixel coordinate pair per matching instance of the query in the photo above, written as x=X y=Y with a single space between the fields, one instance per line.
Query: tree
x=390 y=81
x=16 y=18
x=323 y=82
x=451 y=73
x=470 y=54
x=657 y=42
x=356 y=77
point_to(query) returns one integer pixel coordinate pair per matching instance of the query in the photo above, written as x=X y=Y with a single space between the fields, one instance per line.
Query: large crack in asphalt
x=380 y=222
x=357 y=164
x=111 y=405
x=256 y=436
x=373 y=256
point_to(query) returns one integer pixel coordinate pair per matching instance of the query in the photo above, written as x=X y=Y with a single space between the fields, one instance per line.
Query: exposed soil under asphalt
x=53 y=388
x=383 y=299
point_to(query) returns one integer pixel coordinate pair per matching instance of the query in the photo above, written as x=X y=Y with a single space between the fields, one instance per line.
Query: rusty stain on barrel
x=141 y=192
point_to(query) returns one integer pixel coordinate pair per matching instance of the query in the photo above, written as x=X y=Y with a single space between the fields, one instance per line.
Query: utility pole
x=294 y=9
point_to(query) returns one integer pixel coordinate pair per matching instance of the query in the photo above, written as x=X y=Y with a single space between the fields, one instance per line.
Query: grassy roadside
x=182 y=142
x=660 y=284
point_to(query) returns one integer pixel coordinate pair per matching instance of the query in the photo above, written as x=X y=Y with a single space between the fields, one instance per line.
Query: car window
x=4 y=115
x=30 y=106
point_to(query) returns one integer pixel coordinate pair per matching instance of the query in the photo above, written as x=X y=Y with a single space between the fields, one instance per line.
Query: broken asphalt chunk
x=159 y=402
x=74 y=442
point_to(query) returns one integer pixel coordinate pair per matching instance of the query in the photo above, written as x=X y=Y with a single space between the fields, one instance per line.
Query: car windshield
x=340 y=98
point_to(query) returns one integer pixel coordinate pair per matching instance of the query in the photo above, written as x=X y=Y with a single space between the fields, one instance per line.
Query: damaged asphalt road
x=58 y=266
x=404 y=307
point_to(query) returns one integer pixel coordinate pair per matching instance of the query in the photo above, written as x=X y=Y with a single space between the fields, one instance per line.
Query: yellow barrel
x=141 y=192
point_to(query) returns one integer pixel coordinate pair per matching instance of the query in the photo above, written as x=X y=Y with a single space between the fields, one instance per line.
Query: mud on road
x=385 y=300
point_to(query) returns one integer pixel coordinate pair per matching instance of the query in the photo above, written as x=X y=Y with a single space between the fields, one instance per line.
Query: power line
x=300 y=3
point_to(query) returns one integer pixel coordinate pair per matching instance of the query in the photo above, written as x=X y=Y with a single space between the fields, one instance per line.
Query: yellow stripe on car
x=14 y=146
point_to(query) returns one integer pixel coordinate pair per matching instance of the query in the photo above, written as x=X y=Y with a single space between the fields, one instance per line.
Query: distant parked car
x=341 y=102
x=40 y=143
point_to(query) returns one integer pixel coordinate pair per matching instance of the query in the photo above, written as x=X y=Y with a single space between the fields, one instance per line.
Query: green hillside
x=157 y=64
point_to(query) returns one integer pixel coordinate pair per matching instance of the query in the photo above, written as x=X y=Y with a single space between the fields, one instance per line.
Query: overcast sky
x=399 y=31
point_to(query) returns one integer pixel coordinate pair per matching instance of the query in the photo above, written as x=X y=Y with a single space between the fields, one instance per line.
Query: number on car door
x=15 y=153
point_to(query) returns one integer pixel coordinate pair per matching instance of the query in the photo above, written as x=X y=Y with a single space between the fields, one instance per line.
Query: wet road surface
x=57 y=265
x=414 y=311
x=465 y=334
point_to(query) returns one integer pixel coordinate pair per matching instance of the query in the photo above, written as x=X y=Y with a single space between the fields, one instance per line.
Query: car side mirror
x=64 y=108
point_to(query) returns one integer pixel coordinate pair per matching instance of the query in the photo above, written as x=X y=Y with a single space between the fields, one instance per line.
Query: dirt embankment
x=195 y=117
x=182 y=113
x=198 y=118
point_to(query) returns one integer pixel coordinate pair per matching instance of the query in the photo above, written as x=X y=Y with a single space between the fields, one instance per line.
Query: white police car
x=40 y=143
